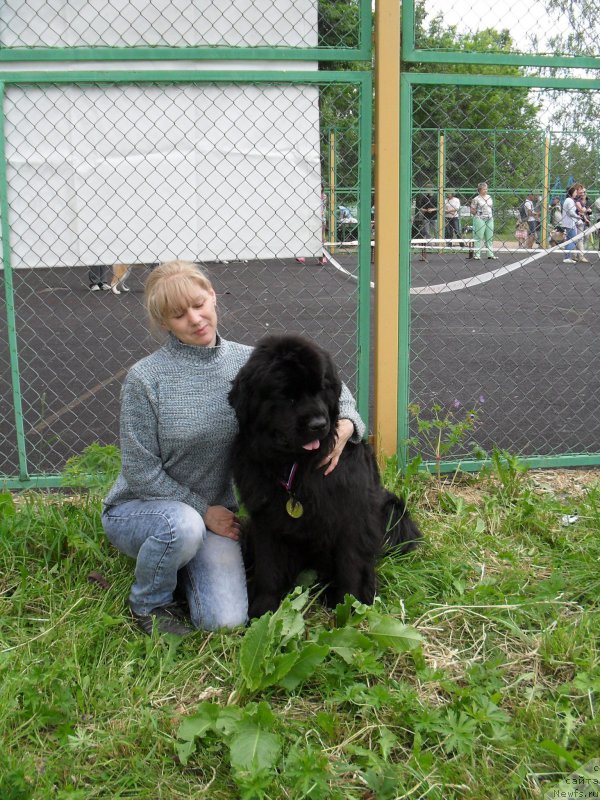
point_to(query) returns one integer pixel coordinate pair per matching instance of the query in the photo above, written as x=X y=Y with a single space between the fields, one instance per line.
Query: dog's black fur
x=285 y=397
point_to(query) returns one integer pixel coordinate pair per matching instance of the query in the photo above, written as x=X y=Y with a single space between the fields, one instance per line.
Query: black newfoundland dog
x=286 y=399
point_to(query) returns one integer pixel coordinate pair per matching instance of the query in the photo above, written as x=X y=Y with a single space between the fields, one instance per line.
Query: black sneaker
x=168 y=619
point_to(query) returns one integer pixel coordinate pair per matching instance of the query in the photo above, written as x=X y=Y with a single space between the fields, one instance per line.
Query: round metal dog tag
x=294 y=508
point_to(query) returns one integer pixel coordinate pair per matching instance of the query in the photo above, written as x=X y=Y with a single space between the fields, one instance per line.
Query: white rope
x=476 y=280
x=485 y=277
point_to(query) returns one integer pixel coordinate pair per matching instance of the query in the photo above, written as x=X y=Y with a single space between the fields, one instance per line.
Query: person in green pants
x=483 y=221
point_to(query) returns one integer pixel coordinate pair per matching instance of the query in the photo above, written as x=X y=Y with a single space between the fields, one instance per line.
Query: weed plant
x=475 y=674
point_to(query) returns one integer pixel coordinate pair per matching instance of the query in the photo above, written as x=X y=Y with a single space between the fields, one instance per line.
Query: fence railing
x=508 y=340
x=105 y=172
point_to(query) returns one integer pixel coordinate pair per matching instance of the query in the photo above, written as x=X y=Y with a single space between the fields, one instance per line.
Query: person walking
x=483 y=221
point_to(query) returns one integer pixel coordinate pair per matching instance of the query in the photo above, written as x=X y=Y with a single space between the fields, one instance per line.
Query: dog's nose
x=317 y=424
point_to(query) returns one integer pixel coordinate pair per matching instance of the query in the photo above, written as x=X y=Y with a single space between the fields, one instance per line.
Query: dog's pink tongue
x=312 y=445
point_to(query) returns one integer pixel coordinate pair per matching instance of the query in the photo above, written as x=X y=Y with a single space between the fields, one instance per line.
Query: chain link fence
x=142 y=24
x=542 y=30
x=504 y=323
x=102 y=181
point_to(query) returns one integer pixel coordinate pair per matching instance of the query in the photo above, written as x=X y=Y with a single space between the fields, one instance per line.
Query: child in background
x=521 y=233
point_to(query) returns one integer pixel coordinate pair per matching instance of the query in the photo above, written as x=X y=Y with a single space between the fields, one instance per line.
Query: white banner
x=145 y=173
x=155 y=23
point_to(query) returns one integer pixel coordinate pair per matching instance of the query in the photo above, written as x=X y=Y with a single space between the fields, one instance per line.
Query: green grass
x=475 y=675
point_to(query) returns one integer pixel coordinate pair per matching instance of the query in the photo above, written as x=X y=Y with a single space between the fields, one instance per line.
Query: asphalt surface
x=523 y=349
x=75 y=346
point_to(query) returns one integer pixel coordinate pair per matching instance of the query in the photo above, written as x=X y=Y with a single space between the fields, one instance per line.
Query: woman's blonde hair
x=169 y=288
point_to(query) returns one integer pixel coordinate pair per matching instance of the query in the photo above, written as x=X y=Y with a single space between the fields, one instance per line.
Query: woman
x=570 y=220
x=452 y=212
x=172 y=507
x=483 y=221
x=584 y=211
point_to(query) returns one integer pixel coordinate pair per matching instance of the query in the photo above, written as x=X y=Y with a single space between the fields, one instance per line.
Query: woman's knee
x=184 y=528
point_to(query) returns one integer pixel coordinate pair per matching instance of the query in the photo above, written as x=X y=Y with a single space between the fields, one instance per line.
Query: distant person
x=533 y=220
x=584 y=211
x=557 y=233
x=555 y=211
x=521 y=233
x=425 y=216
x=347 y=224
x=570 y=218
x=483 y=221
x=596 y=212
x=452 y=214
x=97 y=279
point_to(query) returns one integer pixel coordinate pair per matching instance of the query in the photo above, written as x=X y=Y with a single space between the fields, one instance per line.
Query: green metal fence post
x=404 y=267
x=364 y=243
x=10 y=301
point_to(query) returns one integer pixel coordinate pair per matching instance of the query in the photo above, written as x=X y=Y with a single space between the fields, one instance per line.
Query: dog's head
x=286 y=398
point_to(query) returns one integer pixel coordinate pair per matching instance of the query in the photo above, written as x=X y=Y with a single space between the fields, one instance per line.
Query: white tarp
x=169 y=23
x=142 y=173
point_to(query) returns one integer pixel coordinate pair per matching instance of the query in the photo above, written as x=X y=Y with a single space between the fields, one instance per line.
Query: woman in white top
x=570 y=218
x=483 y=221
x=452 y=212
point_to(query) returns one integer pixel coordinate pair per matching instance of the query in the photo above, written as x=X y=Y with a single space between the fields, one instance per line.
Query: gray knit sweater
x=177 y=426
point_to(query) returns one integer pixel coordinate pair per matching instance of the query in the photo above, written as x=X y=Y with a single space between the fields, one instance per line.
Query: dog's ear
x=240 y=396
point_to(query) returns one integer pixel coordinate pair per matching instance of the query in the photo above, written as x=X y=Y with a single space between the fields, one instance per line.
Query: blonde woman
x=173 y=507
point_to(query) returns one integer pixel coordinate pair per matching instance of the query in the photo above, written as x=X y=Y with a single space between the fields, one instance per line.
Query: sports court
x=526 y=339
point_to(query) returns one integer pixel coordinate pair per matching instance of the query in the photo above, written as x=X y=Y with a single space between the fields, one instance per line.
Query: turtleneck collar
x=197 y=354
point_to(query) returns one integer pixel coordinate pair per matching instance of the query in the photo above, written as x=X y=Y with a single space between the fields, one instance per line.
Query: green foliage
x=478 y=665
x=509 y=473
x=473 y=153
x=95 y=469
x=441 y=432
x=338 y=23
x=276 y=652
x=7 y=506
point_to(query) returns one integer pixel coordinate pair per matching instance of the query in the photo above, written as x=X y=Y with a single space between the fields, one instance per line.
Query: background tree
x=339 y=27
x=498 y=135
x=574 y=115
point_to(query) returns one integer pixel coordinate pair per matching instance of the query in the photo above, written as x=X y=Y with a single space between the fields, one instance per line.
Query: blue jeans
x=171 y=545
x=570 y=234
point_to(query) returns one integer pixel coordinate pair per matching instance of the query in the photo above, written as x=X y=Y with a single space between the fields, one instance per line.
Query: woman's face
x=196 y=324
x=483 y=189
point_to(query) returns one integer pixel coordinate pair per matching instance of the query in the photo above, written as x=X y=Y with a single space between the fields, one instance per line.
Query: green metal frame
x=10 y=304
x=361 y=79
x=208 y=53
x=407 y=81
x=410 y=53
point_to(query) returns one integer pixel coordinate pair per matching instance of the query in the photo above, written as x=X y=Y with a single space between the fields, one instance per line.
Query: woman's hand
x=222 y=521
x=344 y=430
